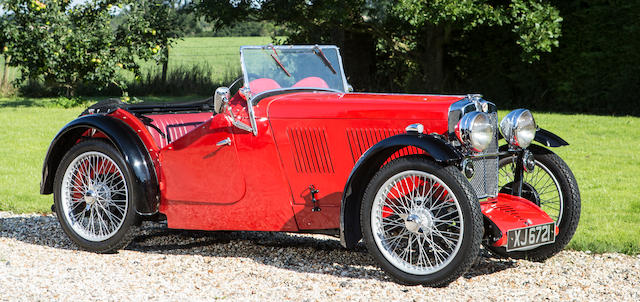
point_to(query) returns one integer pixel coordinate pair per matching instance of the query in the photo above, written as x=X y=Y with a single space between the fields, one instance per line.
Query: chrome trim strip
x=410 y=94
x=252 y=117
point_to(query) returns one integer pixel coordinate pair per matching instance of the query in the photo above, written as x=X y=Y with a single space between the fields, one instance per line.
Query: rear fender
x=370 y=162
x=145 y=190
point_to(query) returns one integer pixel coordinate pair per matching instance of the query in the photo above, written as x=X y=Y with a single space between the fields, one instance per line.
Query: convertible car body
x=422 y=179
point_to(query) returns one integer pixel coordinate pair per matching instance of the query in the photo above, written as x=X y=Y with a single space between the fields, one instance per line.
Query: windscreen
x=269 y=67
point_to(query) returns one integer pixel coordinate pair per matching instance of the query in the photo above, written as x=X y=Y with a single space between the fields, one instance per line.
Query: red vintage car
x=423 y=180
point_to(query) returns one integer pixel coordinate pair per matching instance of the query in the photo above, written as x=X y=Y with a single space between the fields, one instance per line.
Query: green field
x=604 y=155
x=220 y=54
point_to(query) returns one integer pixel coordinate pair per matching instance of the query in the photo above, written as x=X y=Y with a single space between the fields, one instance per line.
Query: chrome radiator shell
x=485 y=178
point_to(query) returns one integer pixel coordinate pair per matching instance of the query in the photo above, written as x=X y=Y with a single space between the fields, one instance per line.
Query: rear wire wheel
x=92 y=195
x=551 y=186
x=421 y=222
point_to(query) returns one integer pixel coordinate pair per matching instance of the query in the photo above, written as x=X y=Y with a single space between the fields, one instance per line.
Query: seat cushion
x=312 y=82
x=263 y=84
x=174 y=126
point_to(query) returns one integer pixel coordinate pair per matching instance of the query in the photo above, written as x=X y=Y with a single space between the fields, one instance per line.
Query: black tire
x=570 y=205
x=468 y=209
x=122 y=221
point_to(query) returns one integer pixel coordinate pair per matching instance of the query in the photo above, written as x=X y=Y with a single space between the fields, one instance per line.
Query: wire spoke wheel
x=539 y=186
x=421 y=221
x=417 y=222
x=94 y=196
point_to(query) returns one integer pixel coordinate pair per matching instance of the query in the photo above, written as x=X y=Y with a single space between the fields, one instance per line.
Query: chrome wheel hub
x=90 y=197
x=99 y=193
x=420 y=221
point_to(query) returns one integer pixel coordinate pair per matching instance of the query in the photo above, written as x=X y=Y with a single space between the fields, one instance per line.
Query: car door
x=202 y=166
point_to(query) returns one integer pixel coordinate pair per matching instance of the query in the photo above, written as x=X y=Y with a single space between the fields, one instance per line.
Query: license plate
x=528 y=237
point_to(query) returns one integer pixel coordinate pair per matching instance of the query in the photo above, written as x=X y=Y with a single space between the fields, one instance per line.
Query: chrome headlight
x=475 y=130
x=519 y=128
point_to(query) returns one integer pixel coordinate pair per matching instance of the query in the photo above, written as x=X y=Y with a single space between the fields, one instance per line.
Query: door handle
x=226 y=141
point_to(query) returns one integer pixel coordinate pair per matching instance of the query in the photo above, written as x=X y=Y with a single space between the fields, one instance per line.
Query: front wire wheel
x=552 y=187
x=421 y=222
x=540 y=186
x=92 y=197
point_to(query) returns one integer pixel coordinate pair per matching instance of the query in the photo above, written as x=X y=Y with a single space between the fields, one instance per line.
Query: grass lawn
x=604 y=155
x=26 y=129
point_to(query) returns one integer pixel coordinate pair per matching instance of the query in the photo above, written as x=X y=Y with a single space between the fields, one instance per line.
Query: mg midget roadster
x=423 y=180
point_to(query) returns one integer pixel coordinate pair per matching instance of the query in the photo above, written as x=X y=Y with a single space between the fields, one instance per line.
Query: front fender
x=370 y=162
x=549 y=139
x=145 y=190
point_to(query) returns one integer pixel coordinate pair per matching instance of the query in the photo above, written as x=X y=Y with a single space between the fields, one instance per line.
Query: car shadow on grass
x=318 y=254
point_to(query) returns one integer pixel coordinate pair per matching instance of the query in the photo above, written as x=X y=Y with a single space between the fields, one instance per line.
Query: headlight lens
x=475 y=130
x=519 y=128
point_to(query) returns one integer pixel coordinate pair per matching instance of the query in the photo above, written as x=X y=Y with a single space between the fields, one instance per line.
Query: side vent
x=310 y=150
x=361 y=139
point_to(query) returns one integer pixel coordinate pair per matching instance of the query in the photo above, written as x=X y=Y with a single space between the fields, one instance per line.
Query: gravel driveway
x=38 y=262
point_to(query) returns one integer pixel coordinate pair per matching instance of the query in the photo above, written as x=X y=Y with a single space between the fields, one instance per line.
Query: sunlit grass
x=25 y=134
x=604 y=155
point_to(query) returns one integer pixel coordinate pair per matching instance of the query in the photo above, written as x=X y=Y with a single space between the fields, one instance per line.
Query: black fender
x=370 y=162
x=145 y=189
x=549 y=139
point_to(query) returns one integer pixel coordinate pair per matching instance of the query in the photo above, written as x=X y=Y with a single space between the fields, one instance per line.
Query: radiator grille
x=310 y=150
x=485 y=179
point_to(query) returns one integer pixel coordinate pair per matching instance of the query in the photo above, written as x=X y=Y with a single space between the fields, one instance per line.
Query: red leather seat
x=314 y=82
x=174 y=126
x=263 y=84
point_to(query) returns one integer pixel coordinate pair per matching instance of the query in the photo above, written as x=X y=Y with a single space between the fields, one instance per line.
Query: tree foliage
x=68 y=45
x=150 y=27
x=404 y=43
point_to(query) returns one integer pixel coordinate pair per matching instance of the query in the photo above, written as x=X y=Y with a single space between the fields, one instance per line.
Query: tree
x=4 y=48
x=154 y=25
x=390 y=44
x=67 y=46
